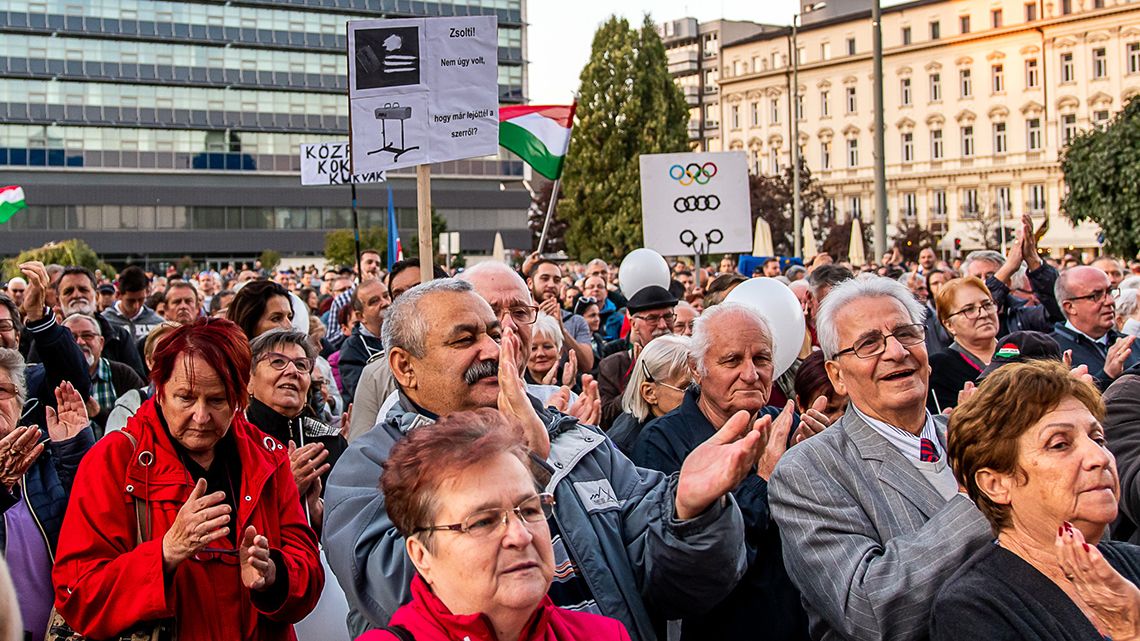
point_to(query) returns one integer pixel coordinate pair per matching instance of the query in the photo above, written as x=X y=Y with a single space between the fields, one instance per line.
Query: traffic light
x=957 y=244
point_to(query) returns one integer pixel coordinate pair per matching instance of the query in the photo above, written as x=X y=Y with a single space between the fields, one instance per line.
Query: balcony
x=683 y=61
x=969 y=212
x=938 y=213
x=692 y=95
x=712 y=124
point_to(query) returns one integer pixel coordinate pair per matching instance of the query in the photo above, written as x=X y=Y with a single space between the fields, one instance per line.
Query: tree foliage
x=340 y=249
x=910 y=238
x=772 y=199
x=270 y=258
x=628 y=105
x=66 y=253
x=1102 y=172
x=536 y=217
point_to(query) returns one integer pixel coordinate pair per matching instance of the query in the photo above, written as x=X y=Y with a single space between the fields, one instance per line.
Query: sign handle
x=423 y=213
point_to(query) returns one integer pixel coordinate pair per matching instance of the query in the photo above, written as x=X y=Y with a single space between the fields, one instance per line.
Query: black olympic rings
x=696 y=203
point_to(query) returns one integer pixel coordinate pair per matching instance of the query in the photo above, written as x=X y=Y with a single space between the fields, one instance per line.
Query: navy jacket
x=765 y=597
x=356 y=351
x=1014 y=315
x=62 y=360
x=1086 y=352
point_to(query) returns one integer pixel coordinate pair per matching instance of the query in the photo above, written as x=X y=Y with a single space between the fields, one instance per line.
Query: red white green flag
x=11 y=201
x=539 y=134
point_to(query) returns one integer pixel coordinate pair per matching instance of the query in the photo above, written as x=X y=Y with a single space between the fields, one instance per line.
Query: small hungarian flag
x=539 y=134
x=11 y=201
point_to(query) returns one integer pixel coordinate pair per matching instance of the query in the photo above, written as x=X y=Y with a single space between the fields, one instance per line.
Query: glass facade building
x=159 y=128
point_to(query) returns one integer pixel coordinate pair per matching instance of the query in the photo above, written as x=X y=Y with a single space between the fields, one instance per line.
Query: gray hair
x=701 y=340
x=982 y=254
x=1132 y=282
x=1020 y=280
x=666 y=358
x=862 y=286
x=86 y=317
x=545 y=325
x=404 y=325
x=12 y=362
x=1126 y=303
x=274 y=338
x=1061 y=288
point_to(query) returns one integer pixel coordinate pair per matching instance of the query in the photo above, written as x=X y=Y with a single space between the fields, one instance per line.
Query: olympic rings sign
x=696 y=203
x=693 y=173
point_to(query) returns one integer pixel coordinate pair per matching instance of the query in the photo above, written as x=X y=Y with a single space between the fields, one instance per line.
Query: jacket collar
x=894 y=469
x=1078 y=336
x=476 y=627
x=270 y=421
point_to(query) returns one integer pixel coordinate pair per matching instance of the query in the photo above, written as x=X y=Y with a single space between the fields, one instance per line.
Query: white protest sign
x=422 y=91
x=695 y=200
x=326 y=163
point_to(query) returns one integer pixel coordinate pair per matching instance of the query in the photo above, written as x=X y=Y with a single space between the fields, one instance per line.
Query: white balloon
x=300 y=314
x=779 y=306
x=641 y=268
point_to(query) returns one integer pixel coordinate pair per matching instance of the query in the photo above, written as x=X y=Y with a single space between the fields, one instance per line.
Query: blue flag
x=395 y=250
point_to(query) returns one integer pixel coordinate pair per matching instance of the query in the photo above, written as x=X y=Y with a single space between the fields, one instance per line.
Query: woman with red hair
x=191 y=516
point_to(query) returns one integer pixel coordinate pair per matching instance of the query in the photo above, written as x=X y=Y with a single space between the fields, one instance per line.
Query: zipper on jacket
x=575 y=559
x=32 y=511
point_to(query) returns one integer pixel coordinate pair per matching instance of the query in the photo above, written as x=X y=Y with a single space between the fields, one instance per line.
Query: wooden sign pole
x=423 y=214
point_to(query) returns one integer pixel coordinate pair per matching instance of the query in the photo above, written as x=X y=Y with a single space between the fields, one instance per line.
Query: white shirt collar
x=1103 y=340
x=908 y=444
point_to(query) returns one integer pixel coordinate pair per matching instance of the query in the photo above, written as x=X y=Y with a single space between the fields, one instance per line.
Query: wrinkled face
x=87 y=337
x=370 y=265
x=963 y=325
x=982 y=269
x=131 y=302
x=9 y=337
x=10 y=408
x=595 y=287
x=76 y=295
x=507 y=571
x=194 y=403
x=683 y=323
x=508 y=298
x=649 y=324
x=374 y=299
x=666 y=395
x=182 y=304
x=543 y=356
x=403 y=281
x=917 y=286
x=278 y=313
x=1087 y=314
x=546 y=281
x=926 y=258
x=283 y=390
x=16 y=292
x=738 y=365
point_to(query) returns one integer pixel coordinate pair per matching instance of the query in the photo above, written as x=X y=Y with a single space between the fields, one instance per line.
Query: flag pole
x=557 y=185
x=355 y=224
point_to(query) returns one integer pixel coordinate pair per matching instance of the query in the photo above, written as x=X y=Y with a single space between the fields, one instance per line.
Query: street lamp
x=793 y=107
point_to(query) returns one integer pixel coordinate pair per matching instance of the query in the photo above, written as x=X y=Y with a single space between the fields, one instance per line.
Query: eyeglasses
x=875 y=343
x=520 y=314
x=280 y=361
x=7 y=325
x=86 y=336
x=481 y=524
x=974 y=312
x=657 y=318
x=8 y=392
x=649 y=378
x=1097 y=296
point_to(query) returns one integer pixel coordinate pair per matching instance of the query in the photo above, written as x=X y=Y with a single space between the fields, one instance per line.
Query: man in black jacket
x=1089 y=329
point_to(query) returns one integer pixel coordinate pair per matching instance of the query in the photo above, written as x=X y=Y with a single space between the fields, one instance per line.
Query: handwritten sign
x=326 y=163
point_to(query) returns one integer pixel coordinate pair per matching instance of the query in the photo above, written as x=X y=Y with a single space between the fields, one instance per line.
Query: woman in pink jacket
x=474 y=521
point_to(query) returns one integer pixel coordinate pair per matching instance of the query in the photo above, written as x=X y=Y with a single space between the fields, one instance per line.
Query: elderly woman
x=259 y=306
x=1128 y=312
x=474 y=521
x=969 y=314
x=224 y=549
x=542 y=364
x=1029 y=449
x=656 y=387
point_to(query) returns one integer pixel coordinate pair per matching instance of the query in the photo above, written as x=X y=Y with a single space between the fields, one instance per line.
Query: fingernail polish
x=1060 y=530
x=1086 y=546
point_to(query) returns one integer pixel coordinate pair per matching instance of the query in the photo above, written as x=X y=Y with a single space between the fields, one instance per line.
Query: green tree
x=66 y=253
x=1102 y=172
x=771 y=198
x=536 y=218
x=438 y=226
x=340 y=249
x=627 y=106
x=270 y=258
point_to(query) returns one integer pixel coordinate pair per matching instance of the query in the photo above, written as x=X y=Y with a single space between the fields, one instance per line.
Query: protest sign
x=327 y=163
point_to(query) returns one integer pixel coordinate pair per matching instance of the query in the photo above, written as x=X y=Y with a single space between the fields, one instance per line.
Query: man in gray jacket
x=635 y=545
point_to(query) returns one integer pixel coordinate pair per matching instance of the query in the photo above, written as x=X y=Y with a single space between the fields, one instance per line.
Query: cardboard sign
x=327 y=163
x=696 y=201
x=422 y=91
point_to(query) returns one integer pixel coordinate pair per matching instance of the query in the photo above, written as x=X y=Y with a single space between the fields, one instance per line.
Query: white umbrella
x=498 y=253
x=762 y=242
x=855 y=253
x=810 y=250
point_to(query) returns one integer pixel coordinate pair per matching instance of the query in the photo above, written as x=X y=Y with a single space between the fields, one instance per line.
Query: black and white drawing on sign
x=387 y=57
x=393 y=111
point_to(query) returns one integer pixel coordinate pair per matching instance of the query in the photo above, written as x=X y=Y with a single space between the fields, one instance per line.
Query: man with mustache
x=626 y=537
x=109 y=379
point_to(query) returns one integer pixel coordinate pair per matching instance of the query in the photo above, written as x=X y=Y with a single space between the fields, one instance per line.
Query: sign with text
x=326 y=163
x=422 y=91
x=694 y=202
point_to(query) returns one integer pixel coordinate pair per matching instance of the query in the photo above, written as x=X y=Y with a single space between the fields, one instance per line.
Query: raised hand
x=258 y=571
x=69 y=416
x=716 y=466
x=588 y=408
x=1118 y=353
x=345 y=421
x=776 y=440
x=513 y=401
x=570 y=371
x=308 y=464
x=200 y=521
x=550 y=307
x=36 y=292
x=1114 y=600
x=551 y=377
x=813 y=421
x=18 y=450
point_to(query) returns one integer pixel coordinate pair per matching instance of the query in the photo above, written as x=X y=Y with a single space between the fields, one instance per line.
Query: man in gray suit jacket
x=871 y=518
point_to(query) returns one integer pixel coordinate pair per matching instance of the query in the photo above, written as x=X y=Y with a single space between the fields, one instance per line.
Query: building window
x=970 y=202
x=734 y=116
x=754 y=113
x=825 y=154
x=1100 y=117
x=1032 y=80
x=1000 y=145
x=852 y=152
x=1036 y=204
x=1134 y=57
x=774 y=160
x=968 y=141
x=939 y=207
x=854 y=208
x=936 y=144
x=908 y=147
x=909 y=205
x=904 y=91
x=935 y=30
x=1098 y=4
x=1068 y=128
x=1001 y=199
x=995 y=18
x=1030 y=11
x=935 y=87
x=799 y=107
x=800 y=56
x=998 y=74
x=1066 y=7
x=1033 y=134
x=777 y=60
x=775 y=102
x=1100 y=63
x=965 y=84
x=825 y=51
x=1067 y=67
x=850 y=46
x=851 y=104
x=824 y=103
x=964 y=24
x=906 y=35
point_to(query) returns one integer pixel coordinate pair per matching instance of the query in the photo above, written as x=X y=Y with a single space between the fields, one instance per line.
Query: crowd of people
x=532 y=452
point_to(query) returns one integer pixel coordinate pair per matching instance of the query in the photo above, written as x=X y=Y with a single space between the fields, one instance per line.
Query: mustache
x=481 y=370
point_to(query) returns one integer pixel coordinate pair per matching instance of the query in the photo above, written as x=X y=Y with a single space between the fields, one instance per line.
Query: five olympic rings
x=696 y=203
x=693 y=173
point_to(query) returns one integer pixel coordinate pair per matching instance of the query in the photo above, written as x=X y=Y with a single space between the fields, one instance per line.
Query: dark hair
x=218 y=342
x=181 y=284
x=370 y=251
x=154 y=300
x=945 y=272
x=582 y=303
x=828 y=275
x=812 y=380
x=720 y=286
x=407 y=263
x=216 y=300
x=249 y=303
x=132 y=279
x=75 y=269
x=539 y=263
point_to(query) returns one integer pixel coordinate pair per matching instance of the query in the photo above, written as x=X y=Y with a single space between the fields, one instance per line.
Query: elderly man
x=732 y=363
x=1089 y=329
x=685 y=316
x=109 y=379
x=651 y=315
x=369 y=301
x=870 y=513
x=627 y=537
x=595 y=287
x=1014 y=312
x=545 y=282
x=916 y=284
x=15 y=290
x=182 y=302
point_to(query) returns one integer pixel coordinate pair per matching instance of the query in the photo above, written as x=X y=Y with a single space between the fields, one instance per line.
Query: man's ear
x=836 y=376
x=400 y=362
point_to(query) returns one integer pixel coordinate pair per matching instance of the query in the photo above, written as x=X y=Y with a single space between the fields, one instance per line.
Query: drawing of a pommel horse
x=393 y=111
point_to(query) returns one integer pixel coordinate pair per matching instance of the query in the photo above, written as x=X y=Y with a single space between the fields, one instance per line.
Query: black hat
x=1019 y=347
x=651 y=297
x=106 y=289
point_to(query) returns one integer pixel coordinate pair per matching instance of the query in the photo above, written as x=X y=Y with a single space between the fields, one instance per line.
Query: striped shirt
x=569 y=589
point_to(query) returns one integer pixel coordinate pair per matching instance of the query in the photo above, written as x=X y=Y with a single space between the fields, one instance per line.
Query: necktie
x=927 y=452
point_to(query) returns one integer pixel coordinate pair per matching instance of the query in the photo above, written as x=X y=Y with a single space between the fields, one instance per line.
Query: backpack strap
x=400 y=632
x=142 y=518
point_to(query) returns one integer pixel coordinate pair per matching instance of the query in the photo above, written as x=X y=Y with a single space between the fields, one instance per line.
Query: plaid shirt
x=101 y=387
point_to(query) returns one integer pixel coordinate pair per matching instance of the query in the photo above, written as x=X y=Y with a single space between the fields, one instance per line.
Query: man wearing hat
x=651 y=315
x=1019 y=347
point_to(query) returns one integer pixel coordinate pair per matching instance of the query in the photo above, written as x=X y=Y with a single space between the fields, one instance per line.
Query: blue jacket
x=1014 y=315
x=355 y=352
x=1086 y=352
x=636 y=557
x=612 y=319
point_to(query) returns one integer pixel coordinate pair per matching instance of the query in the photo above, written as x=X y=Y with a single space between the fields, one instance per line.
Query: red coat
x=105 y=584
x=428 y=619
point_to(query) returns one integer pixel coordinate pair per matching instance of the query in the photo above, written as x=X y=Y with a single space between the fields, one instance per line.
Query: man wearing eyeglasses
x=1089 y=330
x=871 y=517
x=651 y=315
x=109 y=379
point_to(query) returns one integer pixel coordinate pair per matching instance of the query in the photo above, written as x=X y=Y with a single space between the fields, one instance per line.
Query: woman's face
x=836 y=403
x=195 y=405
x=9 y=407
x=593 y=318
x=664 y=396
x=543 y=356
x=506 y=571
x=970 y=321
x=1066 y=473
x=278 y=313
x=283 y=390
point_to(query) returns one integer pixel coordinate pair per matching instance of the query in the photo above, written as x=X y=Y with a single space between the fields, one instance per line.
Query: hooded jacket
x=139 y=326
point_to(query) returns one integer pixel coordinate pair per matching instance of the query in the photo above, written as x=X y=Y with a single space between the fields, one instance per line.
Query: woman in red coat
x=229 y=554
x=474 y=521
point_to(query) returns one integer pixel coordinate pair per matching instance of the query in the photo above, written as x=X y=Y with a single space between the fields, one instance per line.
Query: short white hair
x=862 y=286
x=546 y=325
x=493 y=268
x=701 y=340
x=665 y=358
x=1132 y=282
x=12 y=361
x=1126 y=303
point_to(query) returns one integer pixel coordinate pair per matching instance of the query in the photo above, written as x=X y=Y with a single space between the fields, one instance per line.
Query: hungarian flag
x=11 y=201
x=539 y=134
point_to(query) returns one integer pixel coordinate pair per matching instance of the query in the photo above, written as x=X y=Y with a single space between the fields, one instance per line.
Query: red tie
x=927 y=452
